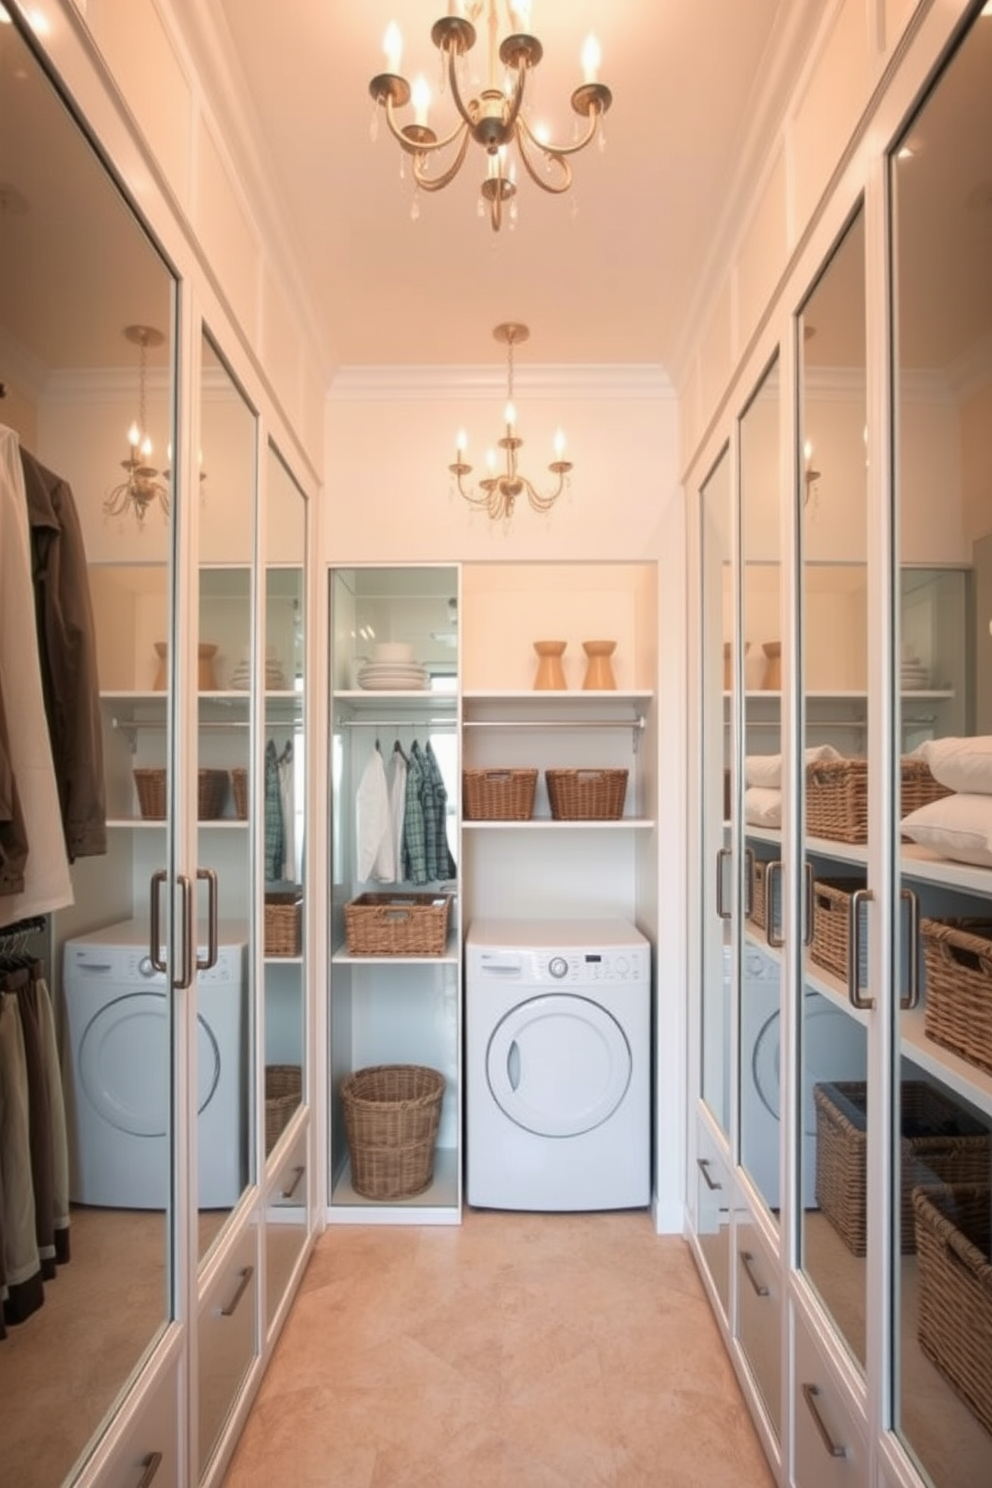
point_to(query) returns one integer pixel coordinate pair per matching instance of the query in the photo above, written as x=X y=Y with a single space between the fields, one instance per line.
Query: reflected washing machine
x=118 y=1070
x=557 y=1065
x=835 y=1049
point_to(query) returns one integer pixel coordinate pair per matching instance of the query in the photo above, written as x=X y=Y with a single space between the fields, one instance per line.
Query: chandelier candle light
x=141 y=485
x=494 y=119
x=498 y=491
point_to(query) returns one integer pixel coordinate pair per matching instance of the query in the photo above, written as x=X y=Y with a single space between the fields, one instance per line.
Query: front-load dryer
x=558 y=1065
x=118 y=1070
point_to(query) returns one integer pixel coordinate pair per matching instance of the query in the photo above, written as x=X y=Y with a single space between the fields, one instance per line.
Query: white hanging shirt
x=376 y=857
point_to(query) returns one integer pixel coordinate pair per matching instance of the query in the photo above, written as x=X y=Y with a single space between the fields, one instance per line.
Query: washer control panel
x=565 y=967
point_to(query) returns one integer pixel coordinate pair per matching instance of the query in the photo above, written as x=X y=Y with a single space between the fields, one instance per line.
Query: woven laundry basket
x=152 y=786
x=283 y=1093
x=391 y=1116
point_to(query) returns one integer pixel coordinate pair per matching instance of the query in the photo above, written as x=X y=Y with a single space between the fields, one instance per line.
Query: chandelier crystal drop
x=141 y=486
x=498 y=492
x=495 y=119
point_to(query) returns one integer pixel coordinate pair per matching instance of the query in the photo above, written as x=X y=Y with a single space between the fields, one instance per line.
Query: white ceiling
x=615 y=280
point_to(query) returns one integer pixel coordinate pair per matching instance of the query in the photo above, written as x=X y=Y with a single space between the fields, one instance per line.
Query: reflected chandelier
x=141 y=485
x=494 y=119
x=498 y=492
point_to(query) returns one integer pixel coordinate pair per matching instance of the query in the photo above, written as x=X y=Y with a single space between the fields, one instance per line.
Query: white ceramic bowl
x=393 y=651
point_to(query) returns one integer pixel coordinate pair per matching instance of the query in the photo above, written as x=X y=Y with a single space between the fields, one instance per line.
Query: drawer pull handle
x=246 y=1274
x=151 y=1464
x=298 y=1172
x=747 y=1261
x=810 y=1393
x=703 y=1164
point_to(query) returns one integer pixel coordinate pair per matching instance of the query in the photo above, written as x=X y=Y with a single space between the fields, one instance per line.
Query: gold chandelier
x=141 y=485
x=498 y=492
x=494 y=119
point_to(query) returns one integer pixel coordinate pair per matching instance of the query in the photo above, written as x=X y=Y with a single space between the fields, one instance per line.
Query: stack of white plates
x=393 y=676
x=241 y=676
x=913 y=675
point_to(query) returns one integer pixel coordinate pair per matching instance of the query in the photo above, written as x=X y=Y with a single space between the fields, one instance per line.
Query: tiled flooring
x=538 y=1351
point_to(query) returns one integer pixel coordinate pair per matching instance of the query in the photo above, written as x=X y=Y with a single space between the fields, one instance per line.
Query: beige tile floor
x=539 y=1351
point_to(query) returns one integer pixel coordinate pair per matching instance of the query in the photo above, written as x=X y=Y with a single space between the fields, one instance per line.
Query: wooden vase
x=550 y=672
x=599 y=671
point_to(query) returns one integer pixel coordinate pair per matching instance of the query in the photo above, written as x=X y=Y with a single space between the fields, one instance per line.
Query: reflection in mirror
x=836 y=713
x=718 y=630
x=78 y=270
x=225 y=466
x=941 y=181
x=760 y=963
x=284 y=777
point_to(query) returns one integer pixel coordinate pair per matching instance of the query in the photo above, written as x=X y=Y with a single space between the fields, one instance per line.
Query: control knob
x=558 y=967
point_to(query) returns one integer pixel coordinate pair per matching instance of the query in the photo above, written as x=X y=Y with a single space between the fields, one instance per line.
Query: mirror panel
x=761 y=628
x=225 y=998
x=941 y=185
x=78 y=271
x=717 y=632
x=284 y=871
x=836 y=713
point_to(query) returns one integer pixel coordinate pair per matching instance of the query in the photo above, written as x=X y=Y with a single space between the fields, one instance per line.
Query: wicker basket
x=955 y=1288
x=586 y=795
x=957 y=957
x=837 y=796
x=283 y=1093
x=758 y=914
x=152 y=786
x=939 y=1142
x=829 y=947
x=239 y=790
x=397 y=924
x=284 y=923
x=498 y=795
x=391 y=1116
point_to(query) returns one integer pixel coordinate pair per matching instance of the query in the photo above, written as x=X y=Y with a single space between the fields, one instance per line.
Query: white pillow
x=957 y=827
x=763 y=806
x=961 y=764
x=766 y=769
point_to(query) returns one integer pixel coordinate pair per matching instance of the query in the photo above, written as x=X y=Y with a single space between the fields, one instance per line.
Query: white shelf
x=439 y=1204
x=538 y=823
x=950 y=1069
x=556 y=698
x=141 y=823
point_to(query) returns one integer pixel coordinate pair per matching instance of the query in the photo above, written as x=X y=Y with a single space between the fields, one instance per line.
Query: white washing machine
x=835 y=1049
x=118 y=1070
x=557 y=1065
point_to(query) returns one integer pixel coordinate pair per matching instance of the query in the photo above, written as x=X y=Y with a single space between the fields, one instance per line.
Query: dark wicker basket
x=837 y=796
x=239 y=789
x=397 y=924
x=391 y=1116
x=284 y=923
x=283 y=1093
x=498 y=795
x=957 y=955
x=152 y=786
x=586 y=795
x=939 y=1142
x=953 y=1235
x=832 y=926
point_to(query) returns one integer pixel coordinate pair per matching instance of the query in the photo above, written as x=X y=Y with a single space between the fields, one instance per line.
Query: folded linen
x=763 y=806
x=765 y=770
x=960 y=764
x=958 y=827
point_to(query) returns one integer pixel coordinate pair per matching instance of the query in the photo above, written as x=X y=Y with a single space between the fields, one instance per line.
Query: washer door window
x=559 y=1065
x=125 y=1068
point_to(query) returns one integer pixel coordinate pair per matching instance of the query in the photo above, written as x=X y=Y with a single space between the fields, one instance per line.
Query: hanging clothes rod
x=398 y=723
x=556 y=723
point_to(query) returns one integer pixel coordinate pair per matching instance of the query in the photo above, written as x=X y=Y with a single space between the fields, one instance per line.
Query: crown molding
x=428 y=384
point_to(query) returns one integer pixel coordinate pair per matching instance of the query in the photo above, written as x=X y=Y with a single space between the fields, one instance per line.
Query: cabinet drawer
x=830 y=1441
x=286 y=1222
x=713 y=1206
x=146 y=1454
x=227 y=1328
x=759 y=1315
